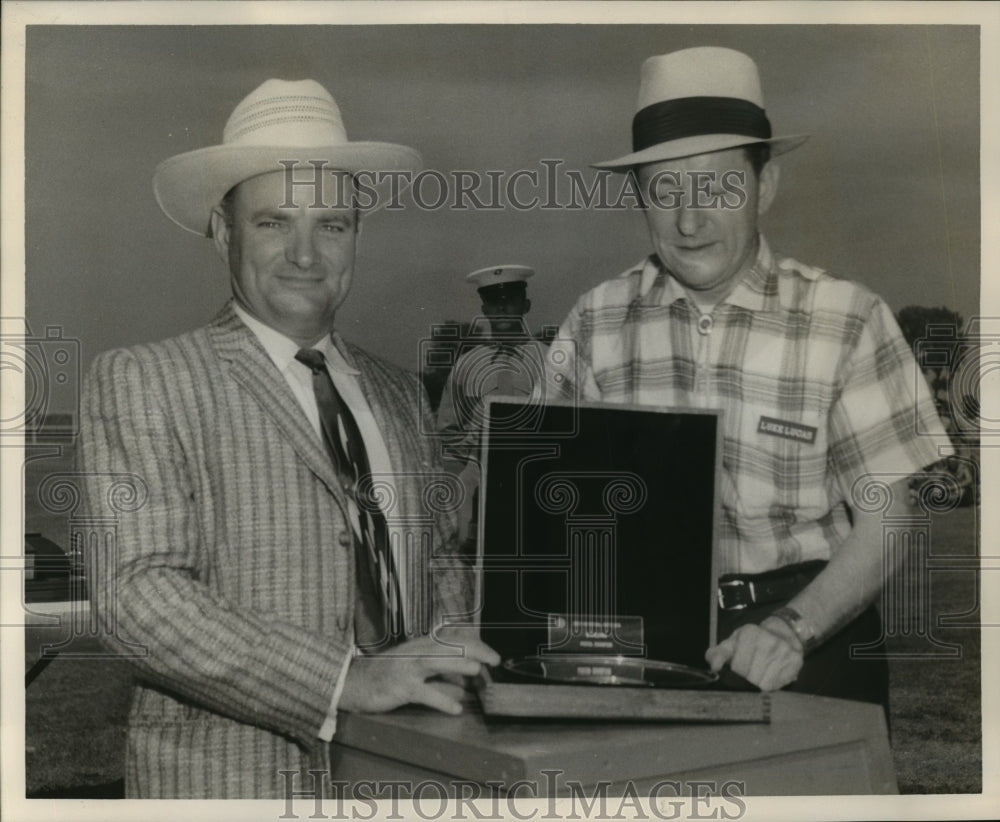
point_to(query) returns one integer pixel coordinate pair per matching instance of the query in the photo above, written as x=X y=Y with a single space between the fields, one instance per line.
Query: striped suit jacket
x=236 y=571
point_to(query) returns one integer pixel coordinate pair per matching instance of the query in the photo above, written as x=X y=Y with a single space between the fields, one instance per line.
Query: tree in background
x=948 y=357
x=928 y=330
x=914 y=319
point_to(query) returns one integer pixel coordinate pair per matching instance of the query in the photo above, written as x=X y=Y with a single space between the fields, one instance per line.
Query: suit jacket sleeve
x=222 y=655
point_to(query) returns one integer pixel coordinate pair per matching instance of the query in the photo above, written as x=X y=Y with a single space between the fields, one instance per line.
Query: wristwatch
x=800 y=625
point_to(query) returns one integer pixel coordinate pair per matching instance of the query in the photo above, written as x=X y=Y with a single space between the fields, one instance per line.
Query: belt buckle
x=738 y=587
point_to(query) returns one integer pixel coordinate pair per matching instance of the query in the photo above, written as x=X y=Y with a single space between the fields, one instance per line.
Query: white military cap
x=499 y=274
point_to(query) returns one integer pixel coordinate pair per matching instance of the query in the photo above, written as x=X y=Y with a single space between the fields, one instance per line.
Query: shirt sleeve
x=457 y=420
x=329 y=727
x=447 y=416
x=884 y=421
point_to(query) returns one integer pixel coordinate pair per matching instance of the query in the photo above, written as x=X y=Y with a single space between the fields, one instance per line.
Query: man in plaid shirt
x=817 y=386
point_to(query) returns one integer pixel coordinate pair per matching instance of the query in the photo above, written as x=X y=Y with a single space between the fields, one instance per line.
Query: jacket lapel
x=390 y=411
x=251 y=367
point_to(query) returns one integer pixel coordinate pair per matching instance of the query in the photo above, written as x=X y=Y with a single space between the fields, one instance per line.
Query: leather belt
x=739 y=591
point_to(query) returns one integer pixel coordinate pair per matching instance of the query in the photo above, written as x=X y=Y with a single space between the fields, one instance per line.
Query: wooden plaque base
x=554 y=701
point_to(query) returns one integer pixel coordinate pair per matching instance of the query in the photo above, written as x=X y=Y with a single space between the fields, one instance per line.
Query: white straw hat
x=696 y=101
x=279 y=120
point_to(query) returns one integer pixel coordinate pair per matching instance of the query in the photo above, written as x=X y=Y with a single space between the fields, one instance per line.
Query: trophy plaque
x=597 y=532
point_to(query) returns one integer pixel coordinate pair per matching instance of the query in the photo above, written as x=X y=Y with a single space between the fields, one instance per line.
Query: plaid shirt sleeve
x=594 y=325
x=883 y=421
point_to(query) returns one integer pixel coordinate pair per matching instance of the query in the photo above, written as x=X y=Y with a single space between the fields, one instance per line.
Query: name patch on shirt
x=788 y=430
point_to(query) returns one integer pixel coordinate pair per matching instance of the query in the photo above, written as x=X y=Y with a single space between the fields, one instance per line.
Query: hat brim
x=699 y=144
x=511 y=273
x=188 y=186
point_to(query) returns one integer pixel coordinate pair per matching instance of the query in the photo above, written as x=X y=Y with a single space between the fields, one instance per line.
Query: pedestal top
x=471 y=746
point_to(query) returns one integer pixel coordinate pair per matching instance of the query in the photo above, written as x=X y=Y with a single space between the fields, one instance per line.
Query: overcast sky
x=886 y=191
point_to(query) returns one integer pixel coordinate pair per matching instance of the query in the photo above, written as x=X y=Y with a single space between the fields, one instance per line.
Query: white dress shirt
x=299 y=377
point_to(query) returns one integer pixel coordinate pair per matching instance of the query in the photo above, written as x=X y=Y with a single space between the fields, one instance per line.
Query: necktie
x=379 y=599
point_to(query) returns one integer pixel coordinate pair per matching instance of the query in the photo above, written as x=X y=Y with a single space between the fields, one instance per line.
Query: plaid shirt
x=815 y=381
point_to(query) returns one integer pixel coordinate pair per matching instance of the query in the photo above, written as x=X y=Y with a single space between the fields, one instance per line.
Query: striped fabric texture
x=237 y=574
x=816 y=384
x=374 y=564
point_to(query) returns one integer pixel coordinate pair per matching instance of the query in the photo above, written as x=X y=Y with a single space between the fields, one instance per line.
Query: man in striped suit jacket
x=237 y=574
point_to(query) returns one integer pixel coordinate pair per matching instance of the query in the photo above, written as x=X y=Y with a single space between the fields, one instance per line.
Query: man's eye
x=269 y=224
x=334 y=228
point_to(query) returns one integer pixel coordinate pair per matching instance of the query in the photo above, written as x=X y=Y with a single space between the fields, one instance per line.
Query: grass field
x=76 y=709
x=935 y=702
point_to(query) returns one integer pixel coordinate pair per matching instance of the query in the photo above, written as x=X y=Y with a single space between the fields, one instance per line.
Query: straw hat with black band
x=696 y=101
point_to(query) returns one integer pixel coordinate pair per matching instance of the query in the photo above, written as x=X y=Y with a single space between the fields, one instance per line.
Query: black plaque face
x=597 y=531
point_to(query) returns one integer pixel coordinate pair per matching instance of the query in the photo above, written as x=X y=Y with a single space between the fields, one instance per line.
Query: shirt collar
x=756 y=291
x=282 y=349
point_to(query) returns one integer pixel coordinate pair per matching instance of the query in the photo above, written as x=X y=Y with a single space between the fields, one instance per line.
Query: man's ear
x=767 y=186
x=221 y=230
x=527 y=305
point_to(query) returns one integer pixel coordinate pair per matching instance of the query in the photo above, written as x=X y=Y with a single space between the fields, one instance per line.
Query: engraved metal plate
x=587 y=669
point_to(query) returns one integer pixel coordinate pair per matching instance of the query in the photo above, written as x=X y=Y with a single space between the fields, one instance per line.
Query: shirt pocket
x=776 y=462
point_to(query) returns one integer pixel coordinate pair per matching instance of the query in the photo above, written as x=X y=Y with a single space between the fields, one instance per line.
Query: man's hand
x=415 y=672
x=768 y=655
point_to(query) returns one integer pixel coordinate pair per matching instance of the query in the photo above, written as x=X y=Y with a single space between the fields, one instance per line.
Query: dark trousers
x=829 y=670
